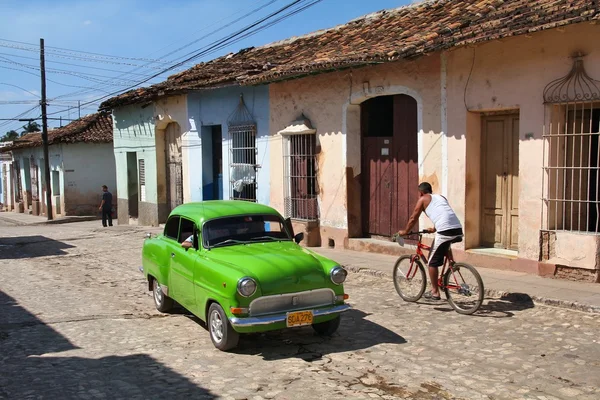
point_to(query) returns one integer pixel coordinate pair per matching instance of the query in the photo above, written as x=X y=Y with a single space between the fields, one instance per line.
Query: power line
x=70 y=64
x=83 y=75
x=219 y=43
x=189 y=44
x=34 y=47
x=19 y=87
x=18 y=116
x=50 y=80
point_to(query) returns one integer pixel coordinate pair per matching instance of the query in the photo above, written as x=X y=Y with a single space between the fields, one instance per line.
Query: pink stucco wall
x=505 y=75
x=331 y=102
x=511 y=75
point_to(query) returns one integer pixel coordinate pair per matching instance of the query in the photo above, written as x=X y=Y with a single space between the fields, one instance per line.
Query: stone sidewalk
x=515 y=286
x=22 y=219
x=509 y=285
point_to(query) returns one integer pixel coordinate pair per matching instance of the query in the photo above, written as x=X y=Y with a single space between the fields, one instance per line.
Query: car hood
x=278 y=267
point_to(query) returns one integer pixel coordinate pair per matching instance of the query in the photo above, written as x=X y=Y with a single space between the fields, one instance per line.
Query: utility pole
x=79 y=107
x=45 y=133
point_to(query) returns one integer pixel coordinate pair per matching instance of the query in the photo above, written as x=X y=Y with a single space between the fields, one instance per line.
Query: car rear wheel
x=327 y=328
x=162 y=302
x=221 y=332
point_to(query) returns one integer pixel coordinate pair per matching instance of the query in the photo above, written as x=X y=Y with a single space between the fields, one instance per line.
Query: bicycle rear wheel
x=409 y=278
x=464 y=288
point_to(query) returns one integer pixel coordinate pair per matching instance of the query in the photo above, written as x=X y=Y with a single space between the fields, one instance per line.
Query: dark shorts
x=441 y=244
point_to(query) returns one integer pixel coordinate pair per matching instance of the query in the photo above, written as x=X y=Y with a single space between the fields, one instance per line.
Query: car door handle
x=172 y=255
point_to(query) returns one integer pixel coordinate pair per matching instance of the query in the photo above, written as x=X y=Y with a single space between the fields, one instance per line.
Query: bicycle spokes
x=464 y=288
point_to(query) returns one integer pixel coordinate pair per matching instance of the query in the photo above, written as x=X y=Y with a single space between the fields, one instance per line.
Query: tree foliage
x=10 y=136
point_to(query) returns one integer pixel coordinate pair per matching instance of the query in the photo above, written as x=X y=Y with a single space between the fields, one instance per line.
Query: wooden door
x=389 y=163
x=406 y=165
x=500 y=182
x=174 y=166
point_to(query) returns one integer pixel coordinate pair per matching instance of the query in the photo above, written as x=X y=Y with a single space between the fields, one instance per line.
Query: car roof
x=207 y=210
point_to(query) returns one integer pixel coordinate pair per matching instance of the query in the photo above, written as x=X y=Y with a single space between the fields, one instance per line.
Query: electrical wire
x=70 y=64
x=51 y=49
x=212 y=47
x=189 y=44
x=221 y=42
x=19 y=87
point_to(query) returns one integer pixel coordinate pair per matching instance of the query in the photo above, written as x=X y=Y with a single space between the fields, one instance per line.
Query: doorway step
x=380 y=246
x=480 y=257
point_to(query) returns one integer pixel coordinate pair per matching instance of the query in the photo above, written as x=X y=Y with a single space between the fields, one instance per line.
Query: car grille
x=291 y=301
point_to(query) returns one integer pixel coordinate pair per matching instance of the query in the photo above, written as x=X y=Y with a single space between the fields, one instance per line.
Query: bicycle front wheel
x=409 y=278
x=464 y=288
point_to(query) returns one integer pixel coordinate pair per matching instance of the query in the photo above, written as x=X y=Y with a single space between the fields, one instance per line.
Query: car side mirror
x=148 y=235
x=299 y=237
x=288 y=225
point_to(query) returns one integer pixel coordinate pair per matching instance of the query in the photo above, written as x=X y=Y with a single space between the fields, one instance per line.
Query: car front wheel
x=162 y=302
x=221 y=332
x=327 y=328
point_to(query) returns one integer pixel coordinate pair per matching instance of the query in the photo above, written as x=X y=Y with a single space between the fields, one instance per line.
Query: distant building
x=81 y=161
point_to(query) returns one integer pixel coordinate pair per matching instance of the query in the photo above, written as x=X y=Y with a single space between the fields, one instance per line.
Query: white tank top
x=440 y=213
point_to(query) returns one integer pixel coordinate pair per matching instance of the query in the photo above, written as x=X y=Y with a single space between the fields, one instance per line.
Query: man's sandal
x=430 y=296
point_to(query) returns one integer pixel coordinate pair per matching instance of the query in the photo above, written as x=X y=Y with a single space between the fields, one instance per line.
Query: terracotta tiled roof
x=93 y=128
x=402 y=33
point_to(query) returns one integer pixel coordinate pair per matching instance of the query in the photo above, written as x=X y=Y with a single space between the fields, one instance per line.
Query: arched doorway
x=174 y=172
x=389 y=158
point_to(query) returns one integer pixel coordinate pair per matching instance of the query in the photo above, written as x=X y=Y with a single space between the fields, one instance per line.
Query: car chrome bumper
x=273 y=319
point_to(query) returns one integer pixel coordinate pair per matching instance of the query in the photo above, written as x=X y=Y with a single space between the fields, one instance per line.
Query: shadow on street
x=12 y=248
x=23 y=338
x=355 y=333
x=504 y=307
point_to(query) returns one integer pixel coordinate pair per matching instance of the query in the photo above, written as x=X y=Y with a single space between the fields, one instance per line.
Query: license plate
x=299 y=318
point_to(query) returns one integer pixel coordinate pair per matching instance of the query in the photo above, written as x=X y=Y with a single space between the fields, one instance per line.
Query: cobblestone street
x=77 y=321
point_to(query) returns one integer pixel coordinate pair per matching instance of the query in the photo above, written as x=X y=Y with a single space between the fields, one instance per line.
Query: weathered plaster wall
x=511 y=75
x=173 y=110
x=87 y=167
x=134 y=131
x=331 y=101
x=56 y=155
x=214 y=107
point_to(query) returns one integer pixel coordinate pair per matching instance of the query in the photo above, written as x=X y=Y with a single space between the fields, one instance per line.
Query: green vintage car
x=241 y=271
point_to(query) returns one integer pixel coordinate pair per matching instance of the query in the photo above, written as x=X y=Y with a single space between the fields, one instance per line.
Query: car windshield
x=244 y=229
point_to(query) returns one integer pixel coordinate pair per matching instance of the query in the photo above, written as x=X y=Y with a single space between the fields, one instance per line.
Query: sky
x=131 y=40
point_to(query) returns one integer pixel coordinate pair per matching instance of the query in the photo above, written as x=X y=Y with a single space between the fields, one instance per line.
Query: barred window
x=300 y=177
x=572 y=166
x=142 y=179
x=243 y=162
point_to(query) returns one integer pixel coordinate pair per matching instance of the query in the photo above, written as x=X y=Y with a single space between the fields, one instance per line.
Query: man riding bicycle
x=447 y=228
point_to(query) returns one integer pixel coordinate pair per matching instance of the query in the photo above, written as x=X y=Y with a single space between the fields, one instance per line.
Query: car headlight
x=338 y=275
x=246 y=287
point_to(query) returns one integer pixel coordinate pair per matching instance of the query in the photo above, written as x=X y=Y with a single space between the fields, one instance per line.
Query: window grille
x=571 y=181
x=300 y=177
x=17 y=177
x=242 y=154
x=142 y=179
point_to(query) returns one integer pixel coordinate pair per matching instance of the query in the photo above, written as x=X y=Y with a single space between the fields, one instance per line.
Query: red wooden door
x=389 y=163
x=405 y=160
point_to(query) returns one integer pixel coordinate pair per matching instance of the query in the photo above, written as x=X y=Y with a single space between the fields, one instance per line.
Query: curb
x=64 y=220
x=499 y=294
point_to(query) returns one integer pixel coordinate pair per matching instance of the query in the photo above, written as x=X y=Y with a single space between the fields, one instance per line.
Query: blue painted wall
x=214 y=107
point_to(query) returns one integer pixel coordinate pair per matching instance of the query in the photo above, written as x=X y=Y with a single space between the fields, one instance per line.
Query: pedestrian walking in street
x=106 y=206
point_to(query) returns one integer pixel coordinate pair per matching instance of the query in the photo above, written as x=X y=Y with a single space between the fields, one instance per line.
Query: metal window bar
x=571 y=137
x=142 y=179
x=300 y=175
x=243 y=166
x=572 y=168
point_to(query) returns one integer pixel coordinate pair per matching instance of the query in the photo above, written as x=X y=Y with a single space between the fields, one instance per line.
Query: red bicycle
x=461 y=282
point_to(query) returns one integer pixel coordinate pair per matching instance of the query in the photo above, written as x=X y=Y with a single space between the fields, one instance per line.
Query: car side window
x=172 y=227
x=186 y=229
